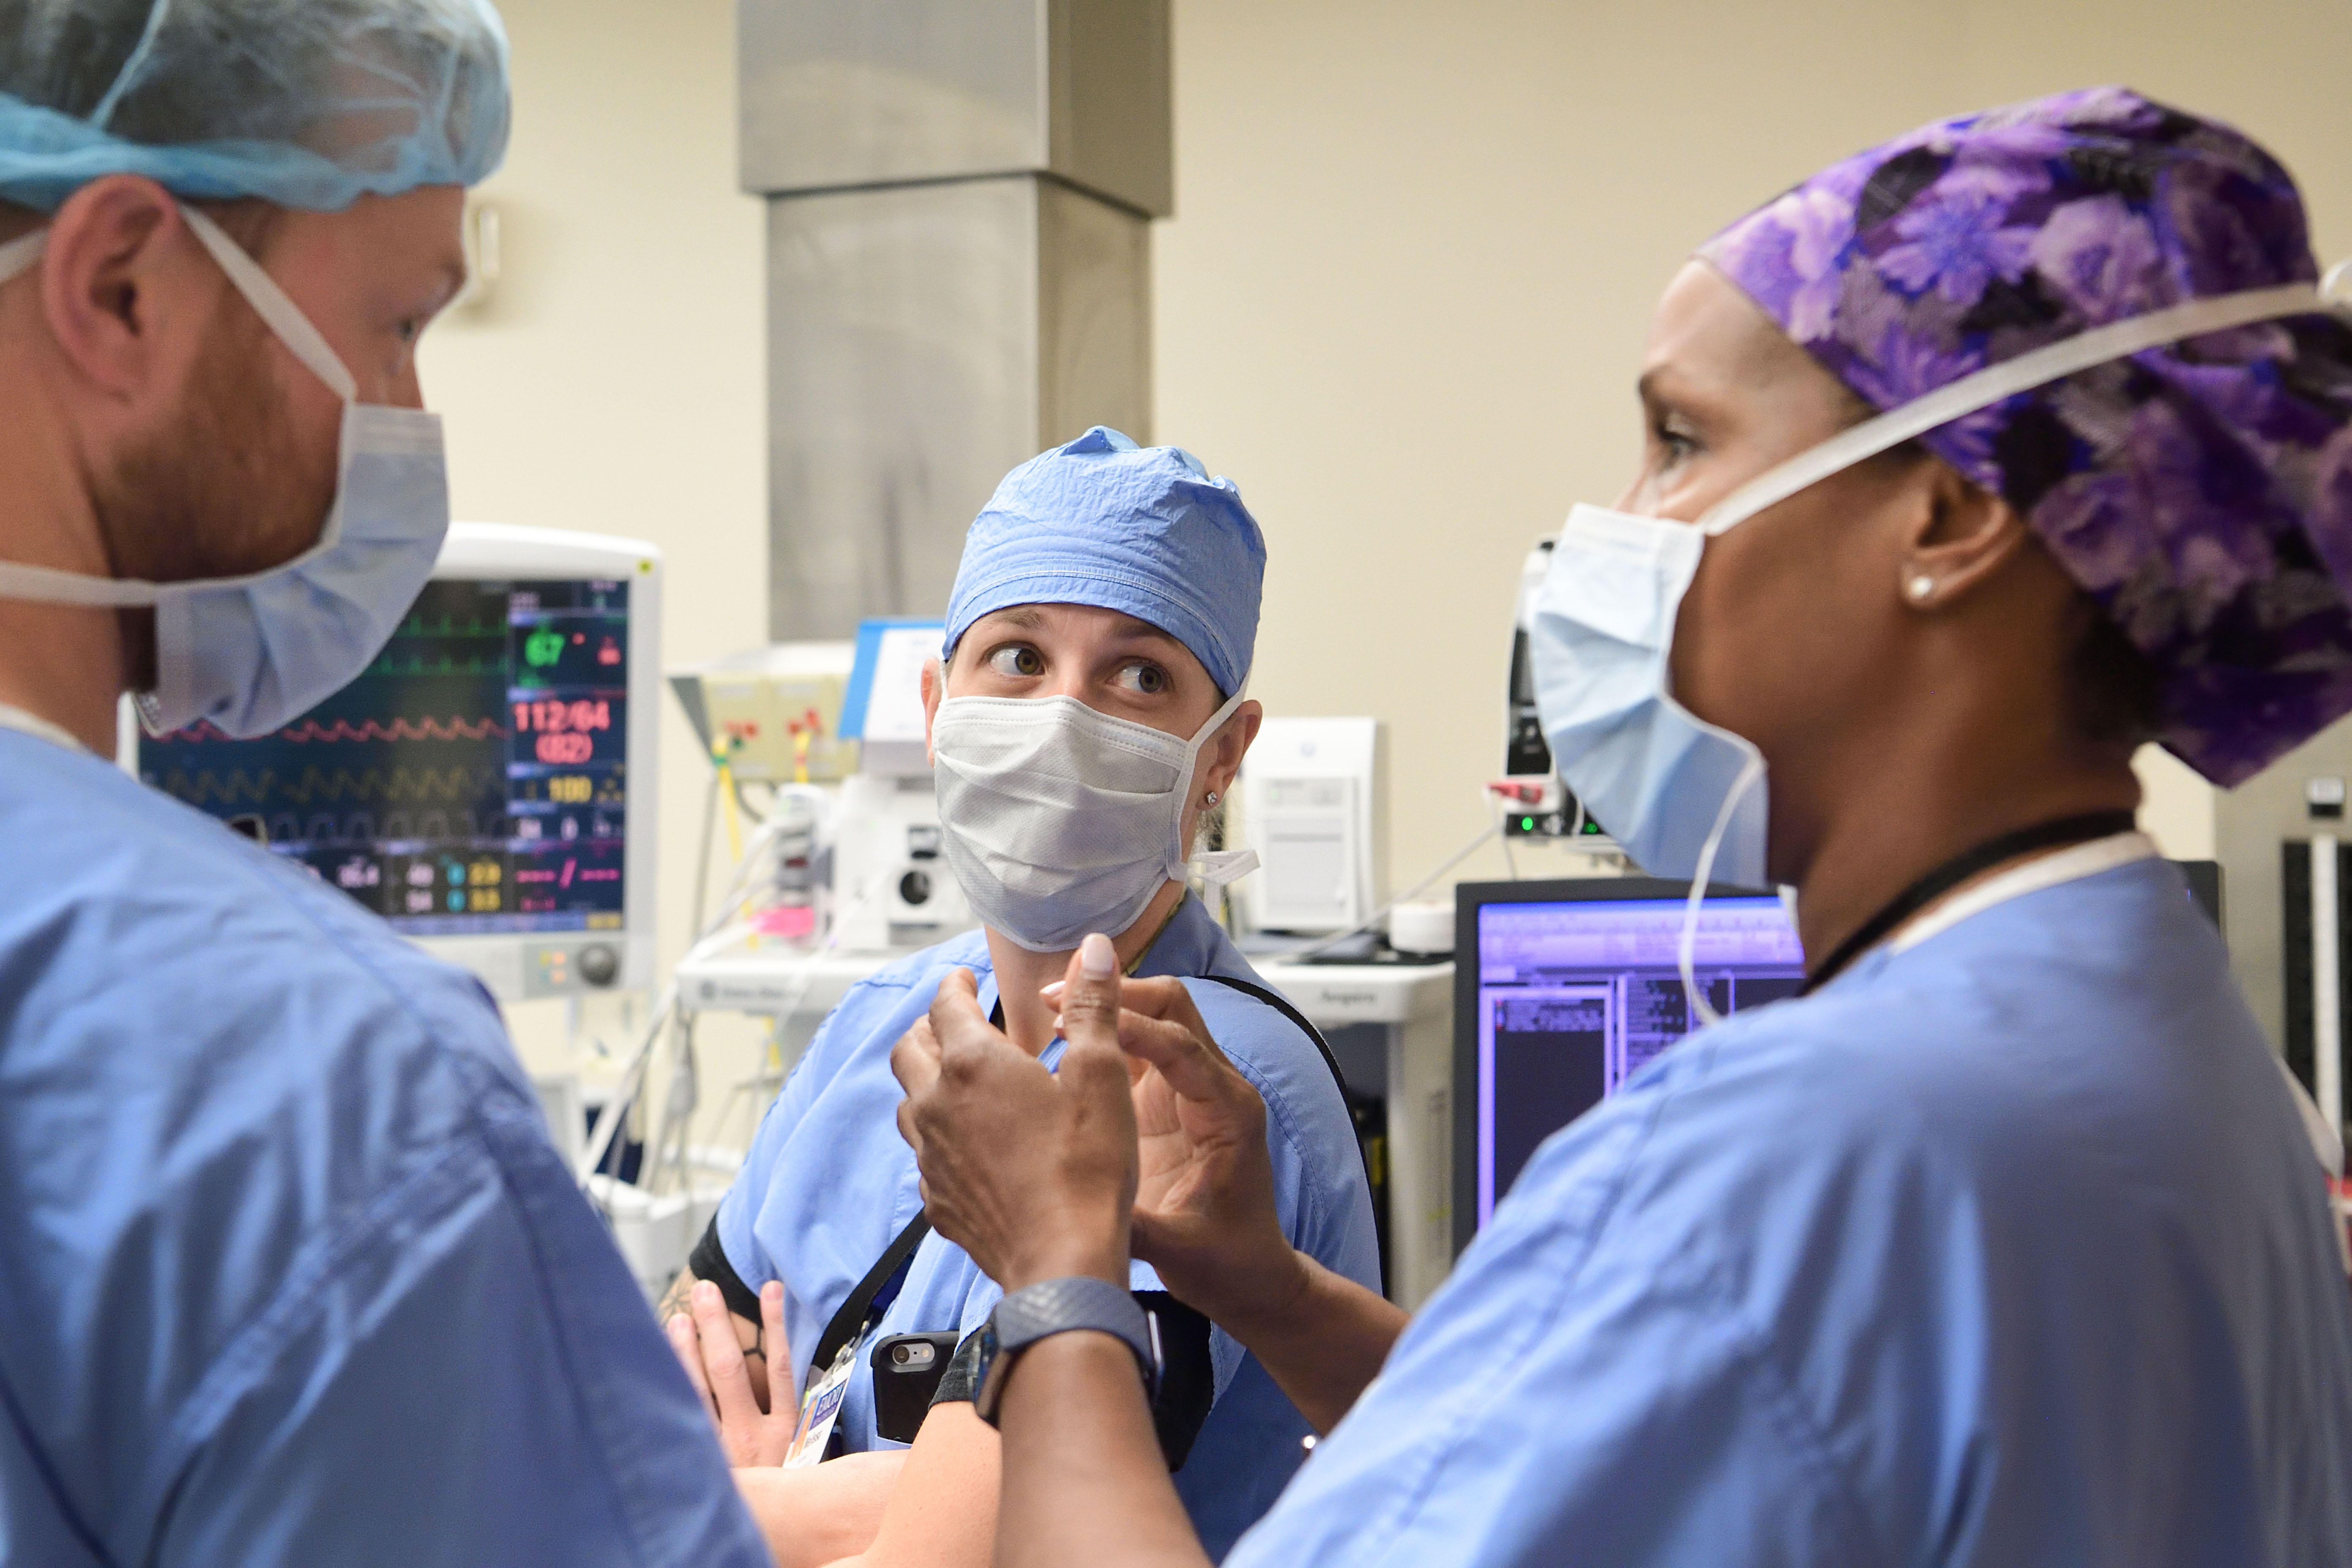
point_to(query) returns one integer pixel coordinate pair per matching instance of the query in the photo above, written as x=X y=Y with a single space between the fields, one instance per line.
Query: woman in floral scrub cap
x=2004 y=1244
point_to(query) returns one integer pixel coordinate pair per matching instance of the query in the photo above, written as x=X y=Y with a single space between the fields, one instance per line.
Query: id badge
x=821 y=1409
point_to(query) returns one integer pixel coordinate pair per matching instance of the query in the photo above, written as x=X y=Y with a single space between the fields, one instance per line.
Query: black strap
x=708 y=1261
x=2065 y=830
x=867 y=1301
x=1281 y=1003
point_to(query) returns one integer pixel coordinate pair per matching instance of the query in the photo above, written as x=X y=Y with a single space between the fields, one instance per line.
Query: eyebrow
x=1656 y=385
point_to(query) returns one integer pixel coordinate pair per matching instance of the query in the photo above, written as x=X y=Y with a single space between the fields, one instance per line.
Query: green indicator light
x=1526 y=825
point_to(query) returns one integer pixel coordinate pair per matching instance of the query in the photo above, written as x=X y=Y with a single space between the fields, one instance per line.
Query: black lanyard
x=2066 y=830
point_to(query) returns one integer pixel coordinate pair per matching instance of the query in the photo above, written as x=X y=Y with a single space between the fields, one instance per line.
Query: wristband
x=1056 y=1307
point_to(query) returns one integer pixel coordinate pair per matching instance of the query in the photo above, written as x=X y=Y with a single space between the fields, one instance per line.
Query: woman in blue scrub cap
x=1087 y=711
x=1973 y=463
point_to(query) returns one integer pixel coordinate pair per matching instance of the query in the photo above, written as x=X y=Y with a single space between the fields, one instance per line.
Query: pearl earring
x=1919 y=588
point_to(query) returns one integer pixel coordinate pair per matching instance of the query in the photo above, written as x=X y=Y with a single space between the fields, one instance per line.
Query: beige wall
x=1401 y=300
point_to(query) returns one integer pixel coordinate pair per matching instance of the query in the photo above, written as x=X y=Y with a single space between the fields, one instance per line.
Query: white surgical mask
x=1060 y=821
x=1687 y=799
x=252 y=653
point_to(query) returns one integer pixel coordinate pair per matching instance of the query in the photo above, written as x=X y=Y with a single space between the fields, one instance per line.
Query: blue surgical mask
x=251 y=654
x=1673 y=791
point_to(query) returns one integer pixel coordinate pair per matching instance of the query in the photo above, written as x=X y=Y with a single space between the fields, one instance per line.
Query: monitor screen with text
x=1575 y=997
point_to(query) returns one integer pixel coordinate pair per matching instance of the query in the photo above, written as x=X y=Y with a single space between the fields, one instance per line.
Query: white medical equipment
x=822 y=744
x=1313 y=806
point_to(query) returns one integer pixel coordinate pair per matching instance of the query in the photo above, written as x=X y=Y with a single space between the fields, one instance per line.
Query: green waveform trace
x=419 y=664
x=264 y=785
x=420 y=627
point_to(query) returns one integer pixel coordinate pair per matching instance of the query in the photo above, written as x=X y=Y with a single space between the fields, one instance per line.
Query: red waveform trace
x=309 y=729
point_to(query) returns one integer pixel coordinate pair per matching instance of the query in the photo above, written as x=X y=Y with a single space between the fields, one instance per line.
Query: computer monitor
x=488 y=786
x=1563 y=989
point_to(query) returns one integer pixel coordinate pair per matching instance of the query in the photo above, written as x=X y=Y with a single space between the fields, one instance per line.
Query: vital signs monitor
x=488 y=786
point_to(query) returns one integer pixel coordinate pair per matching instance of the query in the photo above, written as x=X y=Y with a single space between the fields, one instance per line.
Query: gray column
x=958 y=269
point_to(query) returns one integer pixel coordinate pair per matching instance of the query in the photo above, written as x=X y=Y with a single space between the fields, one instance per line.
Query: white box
x=1313 y=808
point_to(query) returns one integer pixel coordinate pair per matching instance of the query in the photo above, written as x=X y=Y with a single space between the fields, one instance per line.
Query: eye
x=1676 y=442
x=1144 y=678
x=1017 y=659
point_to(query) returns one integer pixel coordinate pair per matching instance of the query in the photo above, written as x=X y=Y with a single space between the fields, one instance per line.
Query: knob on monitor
x=599 y=964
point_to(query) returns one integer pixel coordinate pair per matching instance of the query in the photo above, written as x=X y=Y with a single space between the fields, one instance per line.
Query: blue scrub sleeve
x=842 y=1031
x=472 y=1339
x=1572 y=1395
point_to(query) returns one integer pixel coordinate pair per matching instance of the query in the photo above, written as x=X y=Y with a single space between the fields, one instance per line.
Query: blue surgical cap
x=1140 y=529
x=305 y=103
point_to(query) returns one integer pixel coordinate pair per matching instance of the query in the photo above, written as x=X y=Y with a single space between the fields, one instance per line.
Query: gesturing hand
x=1204 y=1210
x=1032 y=1172
x=713 y=1359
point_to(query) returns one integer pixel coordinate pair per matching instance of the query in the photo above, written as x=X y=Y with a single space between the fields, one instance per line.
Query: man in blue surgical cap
x=1086 y=711
x=288 y=1272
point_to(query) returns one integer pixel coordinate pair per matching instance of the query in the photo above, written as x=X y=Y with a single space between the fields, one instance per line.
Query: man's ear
x=121 y=274
x=1959 y=536
x=935 y=681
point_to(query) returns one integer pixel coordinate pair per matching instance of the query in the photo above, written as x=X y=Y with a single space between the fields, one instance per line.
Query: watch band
x=1056 y=1307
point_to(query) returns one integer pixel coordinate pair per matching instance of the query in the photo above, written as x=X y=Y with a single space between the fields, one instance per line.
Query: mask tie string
x=23 y=252
x=1687 y=950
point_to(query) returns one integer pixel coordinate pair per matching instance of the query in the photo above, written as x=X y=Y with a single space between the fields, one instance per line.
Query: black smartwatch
x=1056 y=1307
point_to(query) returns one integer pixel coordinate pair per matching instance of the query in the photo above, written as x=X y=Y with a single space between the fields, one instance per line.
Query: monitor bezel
x=478 y=551
x=1469 y=897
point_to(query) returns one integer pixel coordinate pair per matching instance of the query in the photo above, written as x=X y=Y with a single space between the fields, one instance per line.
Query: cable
x=716 y=934
x=1381 y=913
x=733 y=801
x=1502 y=825
x=721 y=933
x=709 y=827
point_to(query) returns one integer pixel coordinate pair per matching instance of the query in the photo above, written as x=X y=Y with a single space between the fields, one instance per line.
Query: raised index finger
x=915 y=1060
x=1191 y=1062
x=1166 y=997
x=955 y=1017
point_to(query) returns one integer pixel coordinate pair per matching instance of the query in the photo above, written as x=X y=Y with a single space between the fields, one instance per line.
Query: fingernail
x=705 y=1293
x=1096 y=959
x=1053 y=992
x=773 y=1291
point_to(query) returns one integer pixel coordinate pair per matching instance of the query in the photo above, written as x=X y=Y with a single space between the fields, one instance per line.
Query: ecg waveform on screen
x=392 y=663
x=309 y=729
x=419 y=625
x=263 y=786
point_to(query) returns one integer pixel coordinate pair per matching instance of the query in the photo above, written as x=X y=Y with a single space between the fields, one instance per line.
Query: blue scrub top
x=830 y=1183
x=2007 y=1248
x=290 y=1273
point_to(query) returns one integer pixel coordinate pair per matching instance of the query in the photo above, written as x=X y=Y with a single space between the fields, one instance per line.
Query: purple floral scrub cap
x=2201 y=491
